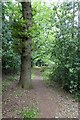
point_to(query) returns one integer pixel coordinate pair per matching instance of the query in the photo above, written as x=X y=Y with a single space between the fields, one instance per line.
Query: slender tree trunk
x=79 y=20
x=73 y=6
x=25 y=73
x=78 y=52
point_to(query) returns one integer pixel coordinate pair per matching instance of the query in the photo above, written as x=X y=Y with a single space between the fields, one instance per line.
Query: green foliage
x=41 y=41
x=45 y=73
x=32 y=76
x=55 y=40
x=64 y=52
x=56 y=43
x=10 y=58
x=30 y=113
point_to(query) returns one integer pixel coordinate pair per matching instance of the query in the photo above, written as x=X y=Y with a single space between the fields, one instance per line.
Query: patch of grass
x=45 y=74
x=32 y=76
x=33 y=73
x=6 y=82
x=10 y=78
x=30 y=113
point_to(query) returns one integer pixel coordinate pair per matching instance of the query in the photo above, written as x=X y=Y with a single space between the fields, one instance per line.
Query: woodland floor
x=51 y=102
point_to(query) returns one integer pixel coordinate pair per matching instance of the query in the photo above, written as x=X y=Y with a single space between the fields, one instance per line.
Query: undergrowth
x=30 y=113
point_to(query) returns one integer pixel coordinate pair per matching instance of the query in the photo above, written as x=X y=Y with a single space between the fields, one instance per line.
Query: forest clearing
x=40 y=59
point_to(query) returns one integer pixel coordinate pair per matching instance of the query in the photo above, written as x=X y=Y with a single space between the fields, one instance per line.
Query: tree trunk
x=79 y=20
x=73 y=7
x=78 y=52
x=25 y=73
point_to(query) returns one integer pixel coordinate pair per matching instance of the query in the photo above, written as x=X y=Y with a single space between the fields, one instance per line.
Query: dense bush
x=65 y=53
x=10 y=58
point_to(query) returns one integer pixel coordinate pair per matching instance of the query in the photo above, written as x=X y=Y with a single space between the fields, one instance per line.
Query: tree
x=25 y=73
x=65 y=53
x=78 y=51
x=55 y=40
x=10 y=63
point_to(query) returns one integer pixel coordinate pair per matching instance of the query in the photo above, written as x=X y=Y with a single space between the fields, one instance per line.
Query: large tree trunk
x=25 y=73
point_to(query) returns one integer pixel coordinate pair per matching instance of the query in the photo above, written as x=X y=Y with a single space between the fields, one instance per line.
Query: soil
x=51 y=102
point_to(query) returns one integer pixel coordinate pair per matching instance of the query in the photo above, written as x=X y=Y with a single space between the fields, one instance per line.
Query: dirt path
x=52 y=103
x=46 y=100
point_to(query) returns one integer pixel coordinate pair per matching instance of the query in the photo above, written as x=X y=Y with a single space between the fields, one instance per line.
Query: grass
x=30 y=113
x=32 y=76
x=45 y=72
x=32 y=73
x=7 y=81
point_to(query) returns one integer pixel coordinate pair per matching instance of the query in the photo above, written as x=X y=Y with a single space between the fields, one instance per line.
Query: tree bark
x=78 y=51
x=73 y=7
x=25 y=73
